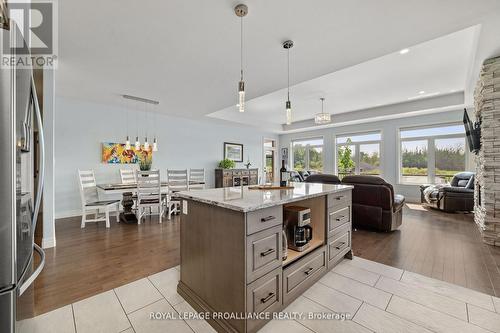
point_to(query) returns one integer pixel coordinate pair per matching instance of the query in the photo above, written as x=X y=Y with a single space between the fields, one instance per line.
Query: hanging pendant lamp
x=322 y=118
x=288 y=105
x=241 y=11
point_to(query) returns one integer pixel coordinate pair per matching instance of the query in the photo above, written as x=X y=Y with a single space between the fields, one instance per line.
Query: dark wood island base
x=231 y=250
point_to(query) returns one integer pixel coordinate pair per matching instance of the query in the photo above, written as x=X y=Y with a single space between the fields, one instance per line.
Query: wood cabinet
x=232 y=261
x=234 y=177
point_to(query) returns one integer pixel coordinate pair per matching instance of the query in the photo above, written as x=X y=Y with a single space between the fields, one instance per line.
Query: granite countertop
x=244 y=200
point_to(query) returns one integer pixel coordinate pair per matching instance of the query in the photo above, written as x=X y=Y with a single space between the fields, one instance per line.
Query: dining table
x=120 y=188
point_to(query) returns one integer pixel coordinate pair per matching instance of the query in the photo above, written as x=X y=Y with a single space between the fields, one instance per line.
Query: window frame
x=431 y=149
x=307 y=166
x=356 y=152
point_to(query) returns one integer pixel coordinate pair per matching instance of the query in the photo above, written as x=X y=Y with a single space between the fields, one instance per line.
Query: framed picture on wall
x=233 y=151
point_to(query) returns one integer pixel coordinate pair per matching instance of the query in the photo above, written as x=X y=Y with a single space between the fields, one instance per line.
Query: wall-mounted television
x=473 y=133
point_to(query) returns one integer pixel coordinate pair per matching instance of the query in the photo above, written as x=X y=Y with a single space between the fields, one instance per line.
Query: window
x=358 y=154
x=431 y=154
x=308 y=154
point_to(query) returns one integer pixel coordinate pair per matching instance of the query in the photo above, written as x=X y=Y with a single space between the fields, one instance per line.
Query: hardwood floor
x=444 y=246
x=89 y=261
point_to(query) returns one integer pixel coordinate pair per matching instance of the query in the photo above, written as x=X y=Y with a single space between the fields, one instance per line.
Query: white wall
x=389 y=144
x=82 y=126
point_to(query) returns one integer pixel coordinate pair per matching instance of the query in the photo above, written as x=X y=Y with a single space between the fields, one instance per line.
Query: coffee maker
x=297 y=221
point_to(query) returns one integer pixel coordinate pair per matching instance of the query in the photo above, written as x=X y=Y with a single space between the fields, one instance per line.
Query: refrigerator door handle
x=35 y=273
x=41 y=141
x=25 y=285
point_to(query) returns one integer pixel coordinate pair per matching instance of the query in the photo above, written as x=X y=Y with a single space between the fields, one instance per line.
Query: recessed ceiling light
x=421 y=92
x=404 y=51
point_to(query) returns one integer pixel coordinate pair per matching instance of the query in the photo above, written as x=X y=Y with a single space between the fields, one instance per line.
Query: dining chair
x=196 y=176
x=128 y=176
x=149 y=193
x=177 y=181
x=90 y=200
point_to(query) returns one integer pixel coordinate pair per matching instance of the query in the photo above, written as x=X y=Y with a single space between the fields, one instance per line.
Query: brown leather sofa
x=374 y=204
x=459 y=196
x=323 y=178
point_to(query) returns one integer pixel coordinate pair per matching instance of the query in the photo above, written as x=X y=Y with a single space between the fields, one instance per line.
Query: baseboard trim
x=47 y=243
x=68 y=213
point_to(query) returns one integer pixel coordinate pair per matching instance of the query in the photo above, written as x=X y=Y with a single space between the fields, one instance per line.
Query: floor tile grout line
x=390 y=299
x=124 y=312
x=467 y=311
x=333 y=271
x=349 y=262
x=171 y=304
x=74 y=319
x=307 y=328
x=405 y=298
x=344 y=293
x=437 y=292
x=352 y=318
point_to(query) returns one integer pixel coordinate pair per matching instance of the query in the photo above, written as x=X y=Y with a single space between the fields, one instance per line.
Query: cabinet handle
x=267 y=298
x=339 y=197
x=267 y=219
x=309 y=270
x=340 y=218
x=338 y=247
x=267 y=252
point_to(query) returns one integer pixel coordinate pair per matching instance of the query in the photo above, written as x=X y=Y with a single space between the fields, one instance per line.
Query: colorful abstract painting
x=115 y=153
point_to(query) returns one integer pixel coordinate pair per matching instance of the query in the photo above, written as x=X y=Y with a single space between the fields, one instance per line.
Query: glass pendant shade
x=322 y=118
x=155 y=145
x=127 y=144
x=288 y=113
x=146 y=143
x=241 y=96
x=137 y=143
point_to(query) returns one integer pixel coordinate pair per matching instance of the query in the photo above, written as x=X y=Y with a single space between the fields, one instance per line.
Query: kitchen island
x=232 y=265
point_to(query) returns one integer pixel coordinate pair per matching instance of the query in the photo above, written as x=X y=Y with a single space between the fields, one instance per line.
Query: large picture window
x=308 y=154
x=431 y=154
x=358 y=154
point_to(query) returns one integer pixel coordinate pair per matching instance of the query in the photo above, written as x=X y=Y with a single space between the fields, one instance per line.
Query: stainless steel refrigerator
x=21 y=260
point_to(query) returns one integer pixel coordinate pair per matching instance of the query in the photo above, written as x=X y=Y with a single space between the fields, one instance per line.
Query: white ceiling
x=429 y=69
x=186 y=53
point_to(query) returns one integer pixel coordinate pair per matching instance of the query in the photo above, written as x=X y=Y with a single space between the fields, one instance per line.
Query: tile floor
x=379 y=298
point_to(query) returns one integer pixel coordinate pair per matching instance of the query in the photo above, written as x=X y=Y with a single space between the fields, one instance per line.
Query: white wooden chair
x=177 y=181
x=197 y=175
x=128 y=176
x=149 y=193
x=90 y=200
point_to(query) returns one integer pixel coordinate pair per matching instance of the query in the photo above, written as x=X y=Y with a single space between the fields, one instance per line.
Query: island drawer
x=339 y=200
x=340 y=241
x=264 y=294
x=264 y=252
x=301 y=275
x=264 y=219
x=337 y=218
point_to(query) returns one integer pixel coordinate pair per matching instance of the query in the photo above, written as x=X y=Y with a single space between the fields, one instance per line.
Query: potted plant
x=227 y=164
x=145 y=161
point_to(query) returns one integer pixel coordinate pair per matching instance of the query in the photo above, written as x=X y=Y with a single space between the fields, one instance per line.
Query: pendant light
x=322 y=118
x=241 y=11
x=127 y=141
x=137 y=142
x=146 y=143
x=155 y=143
x=288 y=105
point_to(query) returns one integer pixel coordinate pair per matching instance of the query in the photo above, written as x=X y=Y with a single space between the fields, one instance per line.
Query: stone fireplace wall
x=487 y=189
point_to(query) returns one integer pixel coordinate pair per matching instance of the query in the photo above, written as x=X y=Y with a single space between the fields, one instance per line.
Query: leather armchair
x=459 y=196
x=374 y=204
